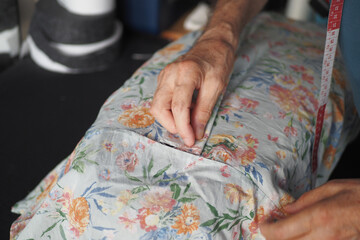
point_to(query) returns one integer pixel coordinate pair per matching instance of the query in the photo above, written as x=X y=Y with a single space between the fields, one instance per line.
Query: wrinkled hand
x=332 y=211
x=206 y=68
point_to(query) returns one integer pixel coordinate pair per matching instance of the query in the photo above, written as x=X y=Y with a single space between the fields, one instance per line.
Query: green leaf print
x=252 y=214
x=175 y=188
x=209 y=222
x=217 y=225
x=61 y=213
x=151 y=164
x=187 y=187
x=79 y=166
x=142 y=80
x=139 y=189
x=144 y=172
x=160 y=172
x=222 y=227
x=50 y=228
x=186 y=199
x=62 y=233
x=229 y=217
x=135 y=179
x=79 y=162
x=226 y=221
x=213 y=209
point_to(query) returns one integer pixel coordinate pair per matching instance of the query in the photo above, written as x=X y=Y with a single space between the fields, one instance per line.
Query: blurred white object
x=298 y=10
x=41 y=59
x=198 y=17
x=88 y=7
x=10 y=41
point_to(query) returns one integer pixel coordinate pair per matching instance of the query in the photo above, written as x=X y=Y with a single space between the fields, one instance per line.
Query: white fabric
x=197 y=18
x=10 y=42
x=88 y=7
x=298 y=10
x=41 y=59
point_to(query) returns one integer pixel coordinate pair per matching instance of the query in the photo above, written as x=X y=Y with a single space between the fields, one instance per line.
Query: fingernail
x=200 y=131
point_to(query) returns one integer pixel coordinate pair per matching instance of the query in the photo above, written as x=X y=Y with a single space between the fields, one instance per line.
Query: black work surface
x=45 y=114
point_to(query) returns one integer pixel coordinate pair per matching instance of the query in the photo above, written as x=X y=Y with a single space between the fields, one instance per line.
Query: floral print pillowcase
x=129 y=178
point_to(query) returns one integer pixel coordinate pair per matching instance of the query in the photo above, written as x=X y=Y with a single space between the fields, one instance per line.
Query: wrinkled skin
x=205 y=68
x=331 y=211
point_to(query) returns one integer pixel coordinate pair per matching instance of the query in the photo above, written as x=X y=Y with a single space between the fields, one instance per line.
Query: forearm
x=229 y=18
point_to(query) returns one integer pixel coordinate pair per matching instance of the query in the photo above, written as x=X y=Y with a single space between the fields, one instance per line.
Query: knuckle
x=153 y=110
x=323 y=215
x=218 y=82
x=204 y=115
x=181 y=82
x=187 y=64
x=221 y=85
x=334 y=185
x=178 y=106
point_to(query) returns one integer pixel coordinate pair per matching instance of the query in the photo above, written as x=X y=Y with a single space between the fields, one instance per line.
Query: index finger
x=161 y=108
x=181 y=105
x=293 y=226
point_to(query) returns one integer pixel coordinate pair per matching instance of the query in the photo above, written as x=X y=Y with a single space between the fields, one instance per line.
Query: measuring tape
x=333 y=29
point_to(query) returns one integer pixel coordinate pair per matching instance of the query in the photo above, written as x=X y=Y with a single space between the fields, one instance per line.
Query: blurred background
x=59 y=62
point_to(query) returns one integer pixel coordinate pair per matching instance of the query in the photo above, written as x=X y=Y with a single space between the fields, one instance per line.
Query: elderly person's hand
x=331 y=211
x=206 y=68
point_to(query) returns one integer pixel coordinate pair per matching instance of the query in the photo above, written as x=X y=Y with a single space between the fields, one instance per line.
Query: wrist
x=224 y=33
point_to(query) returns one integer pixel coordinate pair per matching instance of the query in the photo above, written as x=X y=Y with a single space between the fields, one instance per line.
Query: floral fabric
x=129 y=178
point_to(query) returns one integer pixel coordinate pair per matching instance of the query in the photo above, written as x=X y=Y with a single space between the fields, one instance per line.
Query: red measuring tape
x=333 y=29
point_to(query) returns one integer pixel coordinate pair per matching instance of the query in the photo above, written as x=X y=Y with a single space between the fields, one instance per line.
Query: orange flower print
x=259 y=218
x=221 y=153
x=71 y=158
x=245 y=151
x=128 y=221
x=286 y=199
x=234 y=193
x=239 y=148
x=108 y=146
x=288 y=26
x=290 y=131
x=247 y=103
x=225 y=172
x=298 y=68
x=127 y=161
x=329 y=156
x=297 y=100
x=284 y=79
x=50 y=182
x=308 y=78
x=339 y=107
x=78 y=215
x=148 y=219
x=126 y=196
x=160 y=199
x=339 y=78
x=281 y=154
x=188 y=220
x=17 y=227
x=221 y=138
x=137 y=117
x=69 y=162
